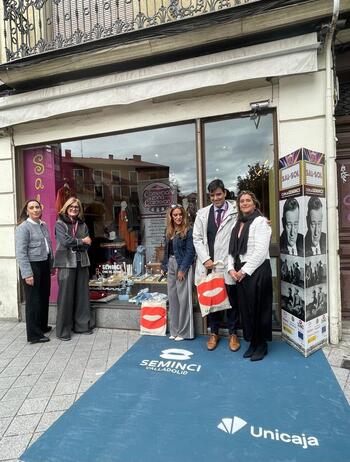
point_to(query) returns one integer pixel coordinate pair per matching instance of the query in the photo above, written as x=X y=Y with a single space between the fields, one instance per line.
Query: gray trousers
x=180 y=301
x=73 y=302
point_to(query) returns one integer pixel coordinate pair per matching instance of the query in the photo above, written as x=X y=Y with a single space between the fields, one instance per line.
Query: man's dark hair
x=216 y=184
x=313 y=204
x=290 y=205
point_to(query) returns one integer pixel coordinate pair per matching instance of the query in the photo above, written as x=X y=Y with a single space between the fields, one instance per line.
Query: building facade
x=142 y=110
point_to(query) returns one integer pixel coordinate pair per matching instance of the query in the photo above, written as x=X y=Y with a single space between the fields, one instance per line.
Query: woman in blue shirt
x=179 y=254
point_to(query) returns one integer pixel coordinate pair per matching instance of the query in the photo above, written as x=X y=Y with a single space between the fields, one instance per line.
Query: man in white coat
x=211 y=237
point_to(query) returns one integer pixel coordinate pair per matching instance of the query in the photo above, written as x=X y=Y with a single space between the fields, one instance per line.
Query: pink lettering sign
x=39 y=180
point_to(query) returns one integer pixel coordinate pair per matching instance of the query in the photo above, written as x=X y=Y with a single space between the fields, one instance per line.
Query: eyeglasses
x=74 y=207
x=176 y=206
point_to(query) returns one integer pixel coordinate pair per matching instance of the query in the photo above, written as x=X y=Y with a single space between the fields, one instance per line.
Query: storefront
x=126 y=181
x=130 y=144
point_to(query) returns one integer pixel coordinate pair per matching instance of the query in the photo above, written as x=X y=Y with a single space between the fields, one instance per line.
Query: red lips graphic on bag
x=212 y=292
x=158 y=314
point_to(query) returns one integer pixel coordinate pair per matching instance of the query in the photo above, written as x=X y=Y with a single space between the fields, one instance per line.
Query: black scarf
x=239 y=246
x=66 y=219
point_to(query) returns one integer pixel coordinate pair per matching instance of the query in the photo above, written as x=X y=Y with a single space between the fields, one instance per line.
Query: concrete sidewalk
x=39 y=382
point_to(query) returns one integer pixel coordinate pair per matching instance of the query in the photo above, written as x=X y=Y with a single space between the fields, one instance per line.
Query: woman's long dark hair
x=239 y=246
x=24 y=213
x=254 y=199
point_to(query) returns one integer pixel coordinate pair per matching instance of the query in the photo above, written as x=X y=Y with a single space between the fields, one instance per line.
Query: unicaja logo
x=232 y=425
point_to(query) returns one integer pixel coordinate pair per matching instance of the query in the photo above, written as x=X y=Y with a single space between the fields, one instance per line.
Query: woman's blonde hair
x=68 y=203
x=171 y=231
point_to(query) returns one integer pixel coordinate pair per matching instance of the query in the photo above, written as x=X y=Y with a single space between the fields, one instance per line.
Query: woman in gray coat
x=34 y=257
x=72 y=261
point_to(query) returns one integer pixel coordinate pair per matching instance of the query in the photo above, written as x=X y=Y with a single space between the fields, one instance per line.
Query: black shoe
x=42 y=339
x=86 y=332
x=65 y=339
x=249 y=353
x=259 y=353
x=47 y=329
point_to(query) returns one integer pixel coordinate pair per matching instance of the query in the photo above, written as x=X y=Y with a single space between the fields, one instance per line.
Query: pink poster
x=39 y=177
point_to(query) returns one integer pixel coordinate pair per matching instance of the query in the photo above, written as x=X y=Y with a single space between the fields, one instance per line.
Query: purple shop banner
x=39 y=180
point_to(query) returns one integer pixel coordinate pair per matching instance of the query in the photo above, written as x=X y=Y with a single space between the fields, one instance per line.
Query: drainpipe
x=334 y=299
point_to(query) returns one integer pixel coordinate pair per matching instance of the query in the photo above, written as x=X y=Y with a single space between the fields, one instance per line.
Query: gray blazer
x=30 y=246
x=68 y=246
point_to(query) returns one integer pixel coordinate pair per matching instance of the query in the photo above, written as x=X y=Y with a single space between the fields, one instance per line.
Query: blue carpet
x=204 y=406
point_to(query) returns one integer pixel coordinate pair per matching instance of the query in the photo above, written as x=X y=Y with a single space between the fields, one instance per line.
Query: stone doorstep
x=117 y=315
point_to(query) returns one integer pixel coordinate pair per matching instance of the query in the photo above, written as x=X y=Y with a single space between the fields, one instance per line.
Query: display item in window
x=179 y=254
x=127 y=227
x=139 y=262
x=63 y=194
x=72 y=261
x=34 y=256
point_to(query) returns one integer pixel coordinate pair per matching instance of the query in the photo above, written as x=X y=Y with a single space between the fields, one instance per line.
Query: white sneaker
x=178 y=339
x=172 y=337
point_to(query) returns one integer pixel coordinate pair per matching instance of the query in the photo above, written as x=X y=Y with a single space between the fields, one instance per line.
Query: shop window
x=243 y=156
x=129 y=181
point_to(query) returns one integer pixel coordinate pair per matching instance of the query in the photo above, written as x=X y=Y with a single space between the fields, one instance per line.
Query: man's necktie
x=218 y=218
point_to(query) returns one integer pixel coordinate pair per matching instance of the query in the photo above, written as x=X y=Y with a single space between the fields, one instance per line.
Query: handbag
x=212 y=294
x=153 y=318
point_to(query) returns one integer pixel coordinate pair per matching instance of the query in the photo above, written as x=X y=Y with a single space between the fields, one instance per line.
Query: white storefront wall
x=299 y=101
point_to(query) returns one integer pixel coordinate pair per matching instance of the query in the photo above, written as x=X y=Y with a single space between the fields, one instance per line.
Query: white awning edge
x=295 y=55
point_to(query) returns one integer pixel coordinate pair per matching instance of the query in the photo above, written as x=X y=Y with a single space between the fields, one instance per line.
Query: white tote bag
x=212 y=294
x=153 y=318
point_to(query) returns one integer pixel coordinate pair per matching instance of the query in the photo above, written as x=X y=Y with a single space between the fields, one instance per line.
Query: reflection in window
x=115 y=176
x=78 y=175
x=117 y=193
x=243 y=157
x=126 y=183
x=98 y=174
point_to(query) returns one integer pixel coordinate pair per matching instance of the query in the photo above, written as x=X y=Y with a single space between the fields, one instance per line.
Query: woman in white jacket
x=249 y=266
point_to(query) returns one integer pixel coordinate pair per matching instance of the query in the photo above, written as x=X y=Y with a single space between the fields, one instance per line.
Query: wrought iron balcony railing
x=32 y=27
